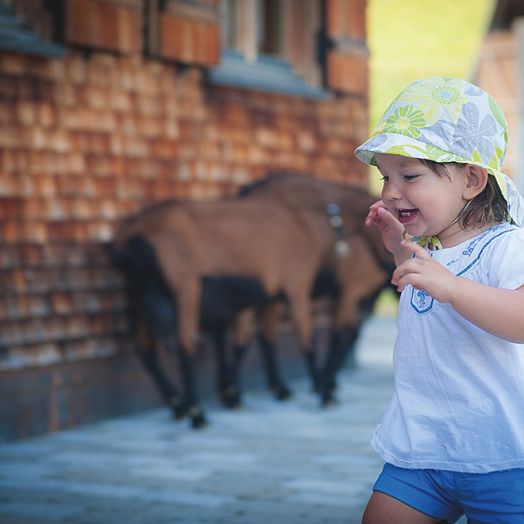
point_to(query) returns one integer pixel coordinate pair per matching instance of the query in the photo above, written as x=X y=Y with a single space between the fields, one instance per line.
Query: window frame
x=291 y=71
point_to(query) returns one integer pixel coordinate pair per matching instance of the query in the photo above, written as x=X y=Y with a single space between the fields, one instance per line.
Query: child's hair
x=487 y=207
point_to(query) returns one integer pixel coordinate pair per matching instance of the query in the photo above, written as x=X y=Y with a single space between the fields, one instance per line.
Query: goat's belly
x=223 y=297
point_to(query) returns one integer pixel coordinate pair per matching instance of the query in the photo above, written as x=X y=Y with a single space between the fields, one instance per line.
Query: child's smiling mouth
x=406 y=215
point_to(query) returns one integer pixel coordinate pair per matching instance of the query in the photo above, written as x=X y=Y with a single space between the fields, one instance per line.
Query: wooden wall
x=89 y=138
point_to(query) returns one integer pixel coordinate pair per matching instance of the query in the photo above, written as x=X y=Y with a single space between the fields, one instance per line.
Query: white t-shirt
x=459 y=391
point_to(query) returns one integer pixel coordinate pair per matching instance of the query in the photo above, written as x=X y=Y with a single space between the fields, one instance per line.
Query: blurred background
x=109 y=106
x=409 y=41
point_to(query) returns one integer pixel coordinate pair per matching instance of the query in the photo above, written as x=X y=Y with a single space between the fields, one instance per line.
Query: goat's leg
x=267 y=345
x=242 y=334
x=226 y=379
x=185 y=289
x=166 y=388
x=342 y=341
x=301 y=312
x=188 y=300
x=148 y=355
x=361 y=279
x=191 y=406
x=343 y=337
x=239 y=352
x=271 y=367
x=353 y=307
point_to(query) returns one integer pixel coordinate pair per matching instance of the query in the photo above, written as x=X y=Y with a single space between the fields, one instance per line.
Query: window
x=269 y=27
x=271 y=45
x=27 y=27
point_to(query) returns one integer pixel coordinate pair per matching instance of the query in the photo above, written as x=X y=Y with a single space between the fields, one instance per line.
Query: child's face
x=423 y=201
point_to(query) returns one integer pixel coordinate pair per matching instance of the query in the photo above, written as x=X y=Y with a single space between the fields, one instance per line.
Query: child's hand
x=423 y=273
x=390 y=228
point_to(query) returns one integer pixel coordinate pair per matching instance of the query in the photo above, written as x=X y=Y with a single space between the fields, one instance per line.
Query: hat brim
x=402 y=145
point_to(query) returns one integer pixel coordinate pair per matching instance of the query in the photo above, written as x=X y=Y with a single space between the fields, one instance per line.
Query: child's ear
x=476 y=180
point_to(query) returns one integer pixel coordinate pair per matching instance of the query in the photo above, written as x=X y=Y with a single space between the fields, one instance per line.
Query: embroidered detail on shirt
x=477 y=258
x=421 y=301
x=475 y=241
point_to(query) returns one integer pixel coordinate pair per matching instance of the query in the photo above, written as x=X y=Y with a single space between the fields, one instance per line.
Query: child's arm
x=498 y=311
x=390 y=228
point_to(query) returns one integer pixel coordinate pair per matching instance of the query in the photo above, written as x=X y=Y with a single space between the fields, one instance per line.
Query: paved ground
x=267 y=463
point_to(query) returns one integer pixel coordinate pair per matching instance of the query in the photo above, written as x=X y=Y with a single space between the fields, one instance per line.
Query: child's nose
x=391 y=192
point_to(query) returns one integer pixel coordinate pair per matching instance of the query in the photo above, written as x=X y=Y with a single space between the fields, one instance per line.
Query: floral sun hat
x=446 y=120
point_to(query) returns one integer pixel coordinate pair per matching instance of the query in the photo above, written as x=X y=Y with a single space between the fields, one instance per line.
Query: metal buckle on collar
x=337 y=223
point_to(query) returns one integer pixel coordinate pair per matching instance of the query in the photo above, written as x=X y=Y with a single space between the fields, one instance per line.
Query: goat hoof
x=180 y=413
x=329 y=400
x=178 y=408
x=230 y=397
x=198 y=420
x=282 y=392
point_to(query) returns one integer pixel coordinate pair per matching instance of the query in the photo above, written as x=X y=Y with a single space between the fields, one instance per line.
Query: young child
x=453 y=434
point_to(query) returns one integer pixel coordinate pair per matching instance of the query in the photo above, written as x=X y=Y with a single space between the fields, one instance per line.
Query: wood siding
x=90 y=138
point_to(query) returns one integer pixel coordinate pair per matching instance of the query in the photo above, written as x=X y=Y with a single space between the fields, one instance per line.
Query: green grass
x=411 y=39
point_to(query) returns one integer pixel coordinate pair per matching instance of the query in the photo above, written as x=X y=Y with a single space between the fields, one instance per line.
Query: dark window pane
x=270 y=28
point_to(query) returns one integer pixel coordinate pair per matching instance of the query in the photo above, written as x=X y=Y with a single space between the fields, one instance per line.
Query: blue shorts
x=485 y=498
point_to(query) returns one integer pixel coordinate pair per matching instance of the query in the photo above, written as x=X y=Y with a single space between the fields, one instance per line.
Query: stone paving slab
x=278 y=463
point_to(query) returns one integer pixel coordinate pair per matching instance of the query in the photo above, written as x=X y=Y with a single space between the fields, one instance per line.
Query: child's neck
x=456 y=234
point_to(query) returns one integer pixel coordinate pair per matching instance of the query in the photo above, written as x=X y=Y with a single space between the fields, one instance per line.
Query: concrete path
x=277 y=463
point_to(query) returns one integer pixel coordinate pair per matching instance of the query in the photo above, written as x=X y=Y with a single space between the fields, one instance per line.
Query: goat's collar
x=337 y=223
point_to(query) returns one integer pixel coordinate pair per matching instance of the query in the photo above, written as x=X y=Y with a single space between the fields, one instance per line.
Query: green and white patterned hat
x=446 y=119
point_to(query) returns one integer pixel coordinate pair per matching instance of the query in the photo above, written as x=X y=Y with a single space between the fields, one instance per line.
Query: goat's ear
x=476 y=180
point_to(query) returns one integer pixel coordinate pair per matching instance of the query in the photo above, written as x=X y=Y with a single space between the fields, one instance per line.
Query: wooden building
x=500 y=70
x=108 y=105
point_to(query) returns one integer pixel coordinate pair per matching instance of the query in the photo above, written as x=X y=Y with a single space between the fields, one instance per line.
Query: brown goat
x=274 y=238
x=356 y=277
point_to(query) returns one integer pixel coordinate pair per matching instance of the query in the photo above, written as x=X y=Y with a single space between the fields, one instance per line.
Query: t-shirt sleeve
x=506 y=261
